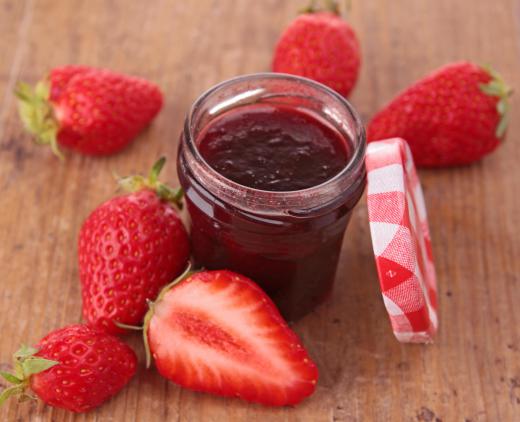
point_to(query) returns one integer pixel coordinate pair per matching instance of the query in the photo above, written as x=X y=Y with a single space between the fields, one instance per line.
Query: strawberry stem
x=497 y=87
x=156 y=170
x=37 y=114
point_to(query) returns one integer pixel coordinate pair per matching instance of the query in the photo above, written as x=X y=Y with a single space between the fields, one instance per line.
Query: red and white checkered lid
x=401 y=240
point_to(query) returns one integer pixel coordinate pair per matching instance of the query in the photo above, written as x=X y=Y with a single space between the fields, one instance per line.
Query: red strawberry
x=93 y=111
x=218 y=332
x=320 y=46
x=129 y=248
x=75 y=368
x=454 y=116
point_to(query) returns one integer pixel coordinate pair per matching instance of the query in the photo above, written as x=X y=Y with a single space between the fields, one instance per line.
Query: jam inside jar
x=272 y=166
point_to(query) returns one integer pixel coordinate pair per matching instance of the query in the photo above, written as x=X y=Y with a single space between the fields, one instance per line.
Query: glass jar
x=287 y=242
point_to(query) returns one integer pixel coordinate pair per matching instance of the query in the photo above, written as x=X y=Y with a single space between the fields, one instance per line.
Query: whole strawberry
x=93 y=111
x=129 y=247
x=218 y=332
x=454 y=116
x=75 y=368
x=320 y=45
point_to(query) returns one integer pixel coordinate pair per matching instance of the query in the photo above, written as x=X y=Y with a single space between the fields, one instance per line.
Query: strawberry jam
x=272 y=168
x=274 y=148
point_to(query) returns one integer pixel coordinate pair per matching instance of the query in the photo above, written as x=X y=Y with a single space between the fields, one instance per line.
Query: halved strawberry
x=218 y=332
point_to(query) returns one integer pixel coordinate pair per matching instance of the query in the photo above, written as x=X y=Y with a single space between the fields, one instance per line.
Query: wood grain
x=471 y=373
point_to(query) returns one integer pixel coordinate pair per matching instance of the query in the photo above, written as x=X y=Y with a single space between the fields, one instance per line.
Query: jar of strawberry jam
x=272 y=166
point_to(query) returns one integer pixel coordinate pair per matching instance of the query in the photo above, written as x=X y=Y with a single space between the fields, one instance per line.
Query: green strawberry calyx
x=37 y=114
x=165 y=192
x=151 y=310
x=25 y=364
x=497 y=87
x=331 y=6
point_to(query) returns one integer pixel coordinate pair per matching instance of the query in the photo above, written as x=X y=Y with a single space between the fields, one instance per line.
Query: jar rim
x=352 y=166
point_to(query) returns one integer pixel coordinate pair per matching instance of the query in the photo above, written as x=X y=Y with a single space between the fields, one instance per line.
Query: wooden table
x=471 y=373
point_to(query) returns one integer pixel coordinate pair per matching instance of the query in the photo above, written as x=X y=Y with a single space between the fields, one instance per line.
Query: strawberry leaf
x=25 y=364
x=24 y=352
x=170 y=195
x=138 y=182
x=23 y=91
x=502 y=106
x=35 y=365
x=42 y=89
x=490 y=89
x=37 y=114
x=9 y=392
x=10 y=378
x=502 y=126
x=18 y=370
x=132 y=183
x=497 y=87
x=146 y=323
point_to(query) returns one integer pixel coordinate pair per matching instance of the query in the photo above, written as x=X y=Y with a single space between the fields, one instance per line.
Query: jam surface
x=273 y=148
